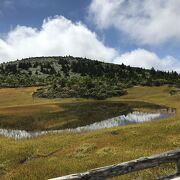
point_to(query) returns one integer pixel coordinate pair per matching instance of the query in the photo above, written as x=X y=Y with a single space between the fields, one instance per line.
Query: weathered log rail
x=127 y=167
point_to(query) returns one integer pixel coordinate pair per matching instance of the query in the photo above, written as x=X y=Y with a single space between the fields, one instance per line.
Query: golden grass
x=26 y=113
x=23 y=96
x=60 y=154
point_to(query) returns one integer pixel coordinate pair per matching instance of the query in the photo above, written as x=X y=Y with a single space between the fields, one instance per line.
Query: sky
x=139 y=33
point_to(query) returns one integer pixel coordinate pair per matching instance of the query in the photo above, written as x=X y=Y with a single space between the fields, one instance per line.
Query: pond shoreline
x=122 y=120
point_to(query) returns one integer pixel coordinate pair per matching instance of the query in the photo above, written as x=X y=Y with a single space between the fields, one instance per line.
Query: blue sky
x=138 y=33
x=33 y=12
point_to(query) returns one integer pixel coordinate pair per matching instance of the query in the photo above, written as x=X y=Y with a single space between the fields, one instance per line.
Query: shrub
x=81 y=87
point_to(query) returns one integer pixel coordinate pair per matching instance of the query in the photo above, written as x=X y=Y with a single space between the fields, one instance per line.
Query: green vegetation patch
x=43 y=71
x=82 y=87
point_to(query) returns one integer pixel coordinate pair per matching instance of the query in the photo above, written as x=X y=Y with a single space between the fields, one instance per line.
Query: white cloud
x=58 y=36
x=145 y=21
x=147 y=59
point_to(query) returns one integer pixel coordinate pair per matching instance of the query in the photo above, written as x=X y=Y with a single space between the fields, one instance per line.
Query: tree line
x=79 y=77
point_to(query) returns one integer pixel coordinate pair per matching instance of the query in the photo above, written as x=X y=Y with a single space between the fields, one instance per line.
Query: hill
x=79 y=77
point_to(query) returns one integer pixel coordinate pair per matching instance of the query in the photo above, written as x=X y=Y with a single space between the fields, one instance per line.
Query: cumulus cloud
x=57 y=36
x=145 y=21
x=147 y=59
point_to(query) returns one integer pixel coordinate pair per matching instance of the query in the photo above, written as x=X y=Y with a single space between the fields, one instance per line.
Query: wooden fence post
x=128 y=167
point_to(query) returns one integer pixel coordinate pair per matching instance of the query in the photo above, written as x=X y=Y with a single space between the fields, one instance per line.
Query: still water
x=131 y=118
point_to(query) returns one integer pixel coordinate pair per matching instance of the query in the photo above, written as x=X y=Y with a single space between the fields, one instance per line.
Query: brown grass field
x=26 y=113
x=60 y=154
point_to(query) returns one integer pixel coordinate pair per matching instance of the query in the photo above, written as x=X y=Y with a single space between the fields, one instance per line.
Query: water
x=131 y=118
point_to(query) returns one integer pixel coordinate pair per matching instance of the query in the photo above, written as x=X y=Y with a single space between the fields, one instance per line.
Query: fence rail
x=127 y=167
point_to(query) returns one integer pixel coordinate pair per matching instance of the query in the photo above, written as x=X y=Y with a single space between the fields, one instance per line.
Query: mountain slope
x=79 y=77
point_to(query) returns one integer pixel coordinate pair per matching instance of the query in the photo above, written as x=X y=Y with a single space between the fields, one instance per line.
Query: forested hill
x=74 y=73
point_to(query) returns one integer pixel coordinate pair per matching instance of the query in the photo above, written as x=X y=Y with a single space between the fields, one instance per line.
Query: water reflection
x=131 y=118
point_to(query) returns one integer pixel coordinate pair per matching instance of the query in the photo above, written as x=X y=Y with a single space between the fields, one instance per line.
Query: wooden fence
x=127 y=167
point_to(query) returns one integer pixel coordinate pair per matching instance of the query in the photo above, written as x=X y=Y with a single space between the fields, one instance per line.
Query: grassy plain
x=60 y=154
x=33 y=114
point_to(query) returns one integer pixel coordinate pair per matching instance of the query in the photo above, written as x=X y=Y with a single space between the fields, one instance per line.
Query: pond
x=46 y=117
x=130 y=118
